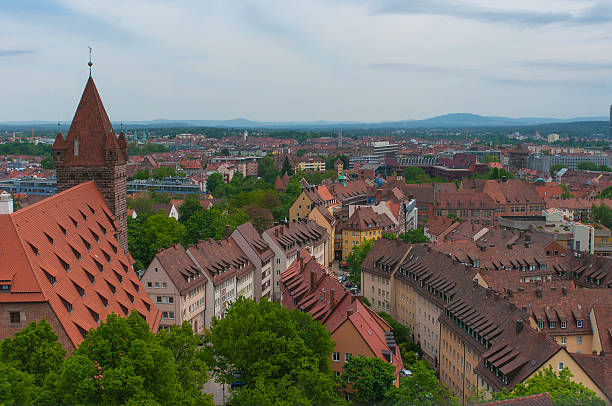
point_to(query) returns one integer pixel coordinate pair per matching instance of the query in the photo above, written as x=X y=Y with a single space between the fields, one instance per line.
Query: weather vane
x=89 y=63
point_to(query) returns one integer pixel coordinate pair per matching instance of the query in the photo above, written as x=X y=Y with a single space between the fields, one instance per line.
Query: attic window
x=91 y=277
x=131 y=297
x=63 y=263
x=103 y=300
x=111 y=287
x=82 y=331
x=50 y=277
x=99 y=265
x=86 y=244
x=106 y=256
x=34 y=249
x=95 y=236
x=91 y=209
x=94 y=315
x=67 y=304
x=123 y=309
x=148 y=306
x=62 y=228
x=76 y=253
x=110 y=220
x=102 y=228
x=124 y=266
x=76 y=224
x=79 y=289
x=83 y=215
x=49 y=238
x=136 y=287
x=119 y=277
x=114 y=248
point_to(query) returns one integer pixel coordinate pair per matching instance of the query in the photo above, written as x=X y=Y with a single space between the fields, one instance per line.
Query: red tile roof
x=541 y=399
x=63 y=250
x=89 y=126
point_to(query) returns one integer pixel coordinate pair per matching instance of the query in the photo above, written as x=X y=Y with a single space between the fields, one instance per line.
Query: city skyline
x=355 y=60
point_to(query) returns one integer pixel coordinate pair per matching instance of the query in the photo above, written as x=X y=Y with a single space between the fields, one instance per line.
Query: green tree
x=562 y=390
x=47 y=163
x=265 y=170
x=123 y=362
x=422 y=388
x=34 y=350
x=286 y=169
x=214 y=182
x=205 y=224
x=165 y=172
x=225 y=152
x=291 y=365
x=17 y=387
x=556 y=168
x=414 y=236
x=142 y=205
x=606 y=193
x=355 y=259
x=602 y=215
x=414 y=174
x=369 y=378
x=142 y=175
x=190 y=206
x=587 y=166
x=147 y=234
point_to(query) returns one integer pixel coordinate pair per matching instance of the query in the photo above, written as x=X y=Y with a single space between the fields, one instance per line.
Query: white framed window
x=552 y=324
x=541 y=325
x=158 y=299
x=278 y=272
x=579 y=323
x=564 y=324
x=164 y=285
x=563 y=340
x=170 y=299
x=561 y=366
x=336 y=356
x=578 y=339
x=171 y=315
x=347 y=357
x=156 y=285
x=149 y=285
x=277 y=261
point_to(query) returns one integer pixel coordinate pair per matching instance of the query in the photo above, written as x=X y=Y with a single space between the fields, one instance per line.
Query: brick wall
x=29 y=312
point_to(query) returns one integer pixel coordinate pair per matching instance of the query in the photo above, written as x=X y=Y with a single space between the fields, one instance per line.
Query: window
x=277 y=261
x=563 y=340
x=158 y=299
x=149 y=284
x=564 y=324
x=336 y=356
x=579 y=323
x=561 y=366
x=541 y=325
x=15 y=317
x=278 y=272
x=170 y=299
x=164 y=285
x=171 y=315
x=156 y=285
x=578 y=339
x=347 y=357
x=551 y=324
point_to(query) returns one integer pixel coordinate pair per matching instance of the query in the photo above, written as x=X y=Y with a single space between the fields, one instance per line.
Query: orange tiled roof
x=62 y=250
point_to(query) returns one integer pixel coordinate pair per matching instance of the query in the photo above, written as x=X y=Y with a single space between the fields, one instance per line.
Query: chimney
x=564 y=290
x=313 y=278
x=332 y=298
x=227 y=231
x=519 y=326
x=378 y=195
x=6 y=203
x=539 y=292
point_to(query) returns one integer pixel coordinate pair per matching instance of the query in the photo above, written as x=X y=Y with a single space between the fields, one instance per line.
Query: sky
x=293 y=60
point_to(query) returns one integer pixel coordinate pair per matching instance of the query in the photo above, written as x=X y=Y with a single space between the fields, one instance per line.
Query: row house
x=200 y=282
x=477 y=339
x=311 y=197
x=472 y=207
x=260 y=254
x=356 y=330
x=514 y=197
x=286 y=239
x=325 y=218
x=565 y=314
x=365 y=224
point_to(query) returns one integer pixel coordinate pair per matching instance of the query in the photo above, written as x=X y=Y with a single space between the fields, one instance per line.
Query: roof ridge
x=54 y=197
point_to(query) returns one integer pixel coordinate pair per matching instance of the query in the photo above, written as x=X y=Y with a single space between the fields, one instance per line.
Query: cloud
x=13 y=52
x=596 y=13
x=569 y=65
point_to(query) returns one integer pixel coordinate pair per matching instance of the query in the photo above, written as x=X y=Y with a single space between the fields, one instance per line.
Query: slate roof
x=63 y=250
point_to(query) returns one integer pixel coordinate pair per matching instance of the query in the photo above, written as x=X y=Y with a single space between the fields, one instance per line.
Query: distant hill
x=454 y=120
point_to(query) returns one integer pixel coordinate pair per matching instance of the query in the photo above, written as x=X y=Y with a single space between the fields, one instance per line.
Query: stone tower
x=92 y=151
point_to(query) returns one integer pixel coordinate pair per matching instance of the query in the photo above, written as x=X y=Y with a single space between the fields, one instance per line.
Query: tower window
x=76 y=147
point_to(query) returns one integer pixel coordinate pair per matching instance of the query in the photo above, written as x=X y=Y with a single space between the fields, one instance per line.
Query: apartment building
x=365 y=224
x=323 y=217
x=355 y=328
x=259 y=253
x=472 y=207
x=477 y=338
x=284 y=240
x=542 y=162
x=310 y=164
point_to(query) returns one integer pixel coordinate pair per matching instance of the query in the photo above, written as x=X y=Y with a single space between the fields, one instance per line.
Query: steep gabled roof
x=91 y=132
x=63 y=250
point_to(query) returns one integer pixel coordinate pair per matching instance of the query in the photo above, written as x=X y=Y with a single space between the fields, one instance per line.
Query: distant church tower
x=92 y=151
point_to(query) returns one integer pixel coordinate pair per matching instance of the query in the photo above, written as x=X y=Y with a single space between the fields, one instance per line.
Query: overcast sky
x=291 y=60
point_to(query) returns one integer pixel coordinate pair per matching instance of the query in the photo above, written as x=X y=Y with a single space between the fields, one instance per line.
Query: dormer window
x=541 y=325
x=579 y=323
x=564 y=324
x=552 y=324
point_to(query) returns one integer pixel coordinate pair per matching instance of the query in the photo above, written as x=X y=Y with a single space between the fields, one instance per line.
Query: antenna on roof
x=90 y=63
